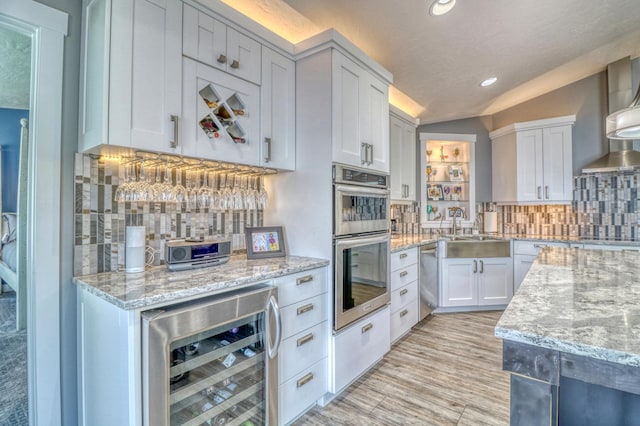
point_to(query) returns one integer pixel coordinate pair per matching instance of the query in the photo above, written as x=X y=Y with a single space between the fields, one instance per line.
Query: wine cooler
x=213 y=361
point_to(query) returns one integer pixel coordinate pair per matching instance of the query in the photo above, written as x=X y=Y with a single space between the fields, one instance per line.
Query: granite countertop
x=158 y=285
x=583 y=302
x=406 y=241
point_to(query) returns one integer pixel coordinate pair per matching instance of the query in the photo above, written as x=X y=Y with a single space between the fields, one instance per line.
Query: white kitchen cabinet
x=219 y=145
x=402 y=152
x=277 y=111
x=610 y=247
x=359 y=347
x=532 y=162
x=404 y=292
x=131 y=75
x=302 y=359
x=360 y=116
x=524 y=253
x=477 y=282
x=211 y=42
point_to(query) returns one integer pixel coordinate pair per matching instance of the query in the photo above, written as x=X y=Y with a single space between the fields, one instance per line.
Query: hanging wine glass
x=204 y=192
x=238 y=197
x=264 y=196
x=123 y=190
x=180 y=190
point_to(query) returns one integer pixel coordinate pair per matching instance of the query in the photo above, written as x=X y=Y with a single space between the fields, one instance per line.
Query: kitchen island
x=571 y=339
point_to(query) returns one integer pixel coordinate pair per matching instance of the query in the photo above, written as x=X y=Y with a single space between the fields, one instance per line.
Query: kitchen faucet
x=454 y=211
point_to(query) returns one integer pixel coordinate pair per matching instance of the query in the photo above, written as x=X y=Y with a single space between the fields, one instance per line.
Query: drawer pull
x=403 y=313
x=306 y=379
x=539 y=246
x=403 y=292
x=304 y=339
x=305 y=308
x=367 y=328
x=403 y=274
x=403 y=255
x=305 y=279
x=222 y=59
x=235 y=64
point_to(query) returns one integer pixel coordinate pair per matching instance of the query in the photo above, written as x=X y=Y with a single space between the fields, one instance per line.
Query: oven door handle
x=346 y=243
x=358 y=191
x=273 y=348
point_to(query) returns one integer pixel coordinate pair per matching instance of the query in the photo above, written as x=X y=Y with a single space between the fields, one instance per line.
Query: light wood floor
x=447 y=371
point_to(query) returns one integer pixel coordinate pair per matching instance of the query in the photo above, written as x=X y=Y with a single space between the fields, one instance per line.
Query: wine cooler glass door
x=207 y=366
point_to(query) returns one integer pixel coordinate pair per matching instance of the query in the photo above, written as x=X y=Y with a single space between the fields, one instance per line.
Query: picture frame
x=457 y=213
x=265 y=242
x=434 y=192
x=456 y=174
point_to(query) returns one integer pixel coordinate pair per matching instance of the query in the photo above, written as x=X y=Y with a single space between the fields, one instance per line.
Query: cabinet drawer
x=296 y=287
x=304 y=314
x=403 y=276
x=301 y=350
x=302 y=391
x=404 y=295
x=404 y=258
x=403 y=319
x=533 y=247
x=359 y=347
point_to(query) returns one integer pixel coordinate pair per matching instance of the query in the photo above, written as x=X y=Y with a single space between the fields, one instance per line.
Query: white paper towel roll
x=490 y=222
x=134 y=248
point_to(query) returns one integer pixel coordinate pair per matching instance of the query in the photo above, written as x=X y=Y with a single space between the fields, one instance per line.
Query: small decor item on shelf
x=429 y=152
x=263 y=242
x=429 y=211
x=429 y=171
x=434 y=192
x=456 y=212
x=446 y=190
x=455 y=173
x=435 y=213
x=442 y=156
x=457 y=190
x=456 y=152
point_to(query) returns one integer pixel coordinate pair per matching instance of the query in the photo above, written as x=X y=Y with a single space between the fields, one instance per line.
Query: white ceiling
x=15 y=63
x=532 y=46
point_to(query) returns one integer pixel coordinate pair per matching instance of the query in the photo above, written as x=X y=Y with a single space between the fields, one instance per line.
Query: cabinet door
x=196 y=77
x=557 y=160
x=277 y=111
x=529 y=158
x=348 y=145
x=521 y=265
x=409 y=161
x=243 y=56
x=495 y=280
x=374 y=121
x=459 y=282
x=204 y=38
x=396 y=154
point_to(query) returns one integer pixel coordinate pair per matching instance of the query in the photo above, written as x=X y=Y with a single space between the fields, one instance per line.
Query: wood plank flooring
x=447 y=371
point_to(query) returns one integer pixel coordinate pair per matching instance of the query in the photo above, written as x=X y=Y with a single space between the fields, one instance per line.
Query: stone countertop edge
x=581 y=302
x=157 y=285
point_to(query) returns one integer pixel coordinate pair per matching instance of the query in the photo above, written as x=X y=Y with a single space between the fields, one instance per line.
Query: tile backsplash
x=100 y=222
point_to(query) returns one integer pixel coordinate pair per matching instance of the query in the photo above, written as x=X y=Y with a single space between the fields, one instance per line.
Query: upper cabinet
x=402 y=151
x=360 y=105
x=532 y=162
x=213 y=43
x=131 y=75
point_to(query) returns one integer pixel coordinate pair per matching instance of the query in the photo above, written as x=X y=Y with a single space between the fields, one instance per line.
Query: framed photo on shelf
x=434 y=192
x=265 y=241
x=457 y=213
x=455 y=174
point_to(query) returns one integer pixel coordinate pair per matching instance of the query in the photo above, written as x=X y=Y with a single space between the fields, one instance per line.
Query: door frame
x=48 y=28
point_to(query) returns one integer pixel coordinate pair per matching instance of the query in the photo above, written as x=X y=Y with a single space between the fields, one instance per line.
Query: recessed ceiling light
x=440 y=7
x=489 y=81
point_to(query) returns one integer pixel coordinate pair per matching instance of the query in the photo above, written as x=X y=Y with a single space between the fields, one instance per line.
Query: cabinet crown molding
x=400 y=114
x=536 y=124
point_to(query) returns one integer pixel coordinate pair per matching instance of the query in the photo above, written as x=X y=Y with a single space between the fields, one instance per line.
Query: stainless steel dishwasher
x=428 y=278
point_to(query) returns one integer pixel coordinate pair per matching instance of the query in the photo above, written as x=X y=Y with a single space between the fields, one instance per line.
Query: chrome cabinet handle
x=306 y=379
x=222 y=59
x=176 y=133
x=475 y=266
x=546 y=192
x=363 y=158
x=304 y=309
x=235 y=64
x=304 y=340
x=366 y=328
x=273 y=350
x=539 y=189
x=304 y=280
x=404 y=255
x=481 y=266
x=403 y=313
x=403 y=274
x=371 y=156
x=539 y=246
x=403 y=292
x=267 y=157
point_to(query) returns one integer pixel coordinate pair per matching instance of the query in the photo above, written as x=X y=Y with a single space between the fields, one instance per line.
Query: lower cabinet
x=357 y=348
x=404 y=292
x=477 y=282
x=302 y=358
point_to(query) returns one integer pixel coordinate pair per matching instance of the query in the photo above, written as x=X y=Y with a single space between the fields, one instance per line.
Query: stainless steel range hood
x=621 y=156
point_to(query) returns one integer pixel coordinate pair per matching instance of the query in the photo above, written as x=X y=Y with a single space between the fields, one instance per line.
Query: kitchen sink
x=472 y=246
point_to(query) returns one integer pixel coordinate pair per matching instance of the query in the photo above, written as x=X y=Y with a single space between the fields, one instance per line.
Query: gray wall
x=69 y=147
x=480 y=126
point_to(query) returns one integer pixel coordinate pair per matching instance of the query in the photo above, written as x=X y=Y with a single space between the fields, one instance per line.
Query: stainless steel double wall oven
x=361 y=242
